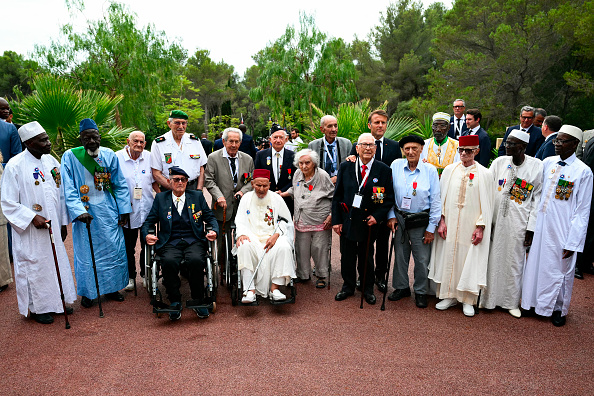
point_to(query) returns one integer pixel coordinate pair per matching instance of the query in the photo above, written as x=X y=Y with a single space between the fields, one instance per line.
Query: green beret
x=178 y=114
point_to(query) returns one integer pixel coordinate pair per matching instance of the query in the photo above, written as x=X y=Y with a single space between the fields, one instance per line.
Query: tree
x=16 y=72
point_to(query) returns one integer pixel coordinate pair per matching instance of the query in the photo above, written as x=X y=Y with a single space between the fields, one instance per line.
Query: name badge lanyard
x=332 y=157
x=357 y=176
x=412 y=183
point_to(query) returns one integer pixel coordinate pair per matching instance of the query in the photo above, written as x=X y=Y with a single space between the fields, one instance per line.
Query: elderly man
x=5 y=267
x=332 y=150
x=96 y=193
x=586 y=257
x=526 y=125
x=457 y=122
x=362 y=199
x=31 y=196
x=181 y=214
x=560 y=232
x=258 y=215
x=459 y=257
x=550 y=127
x=518 y=181
x=228 y=175
x=416 y=213
x=135 y=164
x=473 y=121
x=441 y=150
x=586 y=137
x=178 y=148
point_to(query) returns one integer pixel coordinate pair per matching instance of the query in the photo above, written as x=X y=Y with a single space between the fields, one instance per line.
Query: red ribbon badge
x=289 y=170
x=415 y=185
x=310 y=187
x=523 y=183
x=374 y=189
x=471 y=176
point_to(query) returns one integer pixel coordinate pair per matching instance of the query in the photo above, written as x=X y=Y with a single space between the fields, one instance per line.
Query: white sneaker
x=276 y=295
x=516 y=313
x=468 y=309
x=130 y=286
x=250 y=297
x=446 y=303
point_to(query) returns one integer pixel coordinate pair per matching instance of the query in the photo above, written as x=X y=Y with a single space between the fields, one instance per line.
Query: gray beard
x=93 y=154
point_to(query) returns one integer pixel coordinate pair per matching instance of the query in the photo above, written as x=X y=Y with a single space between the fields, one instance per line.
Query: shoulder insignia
x=193 y=137
x=160 y=139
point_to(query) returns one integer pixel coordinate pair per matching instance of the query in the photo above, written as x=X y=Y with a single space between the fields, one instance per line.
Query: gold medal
x=499 y=188
x=36 y=182
x=556 y=196
x=567 y=195
x=37 y=207
x=415 y=192
x=84 y=189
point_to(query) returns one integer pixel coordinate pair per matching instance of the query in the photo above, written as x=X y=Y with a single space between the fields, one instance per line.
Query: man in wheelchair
x=182 y=215
x=265 y=237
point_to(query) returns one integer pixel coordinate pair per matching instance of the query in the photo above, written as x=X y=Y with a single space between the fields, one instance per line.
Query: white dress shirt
x=138 y=174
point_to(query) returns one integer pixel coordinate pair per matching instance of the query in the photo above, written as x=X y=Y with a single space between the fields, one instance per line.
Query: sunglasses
x=179 y=179
x=465 y=150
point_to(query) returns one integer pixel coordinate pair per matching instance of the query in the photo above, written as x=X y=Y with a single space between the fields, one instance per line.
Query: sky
x=231 y=30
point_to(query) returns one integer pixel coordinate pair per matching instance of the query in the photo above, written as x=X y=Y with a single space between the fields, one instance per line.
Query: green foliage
x=178 y=100
x=16 y=72
x=59 y=107
x=219 y=123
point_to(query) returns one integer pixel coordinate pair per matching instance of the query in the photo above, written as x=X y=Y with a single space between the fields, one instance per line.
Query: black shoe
x=86 y=302
x=370 y=298
x=342 y=295
x=557 y=319
x=175 y=315
x=358 y=285
x=44 y=318
x=588 y=270
x=421 y=300
x=381 y=285
x=69 y=311
x=398 y=294
x=299 y=280
x=202 y=312
x=2 y=288
x=115 y=296
x=578 y=273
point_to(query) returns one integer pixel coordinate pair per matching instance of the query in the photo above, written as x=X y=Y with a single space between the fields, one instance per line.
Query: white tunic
x=138 y=175
x=561 y=224
x=34 y=266
x=279 y=262
x=511 y=220
x=190 y=156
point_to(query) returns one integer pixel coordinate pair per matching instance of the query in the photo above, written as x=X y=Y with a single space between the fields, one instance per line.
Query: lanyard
x=136 y=165
x=357 y=174
x=404 y=177
x=332 y=157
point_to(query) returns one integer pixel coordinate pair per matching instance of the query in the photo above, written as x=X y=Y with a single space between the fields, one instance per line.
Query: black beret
x=176 y=170
x=411 y=139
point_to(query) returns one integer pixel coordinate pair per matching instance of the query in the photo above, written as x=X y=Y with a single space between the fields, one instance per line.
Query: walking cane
x=365 y=268
x=388 y=271
x=95 y=269
x=48 y=224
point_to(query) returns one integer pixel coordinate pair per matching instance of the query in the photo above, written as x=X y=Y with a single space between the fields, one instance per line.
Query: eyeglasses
x=459 y=107
x=465 y=150
x=559 y=142
x=366 y=145
x=180 y=122
x=526 y=118
x=510 y=144
x=179 y=179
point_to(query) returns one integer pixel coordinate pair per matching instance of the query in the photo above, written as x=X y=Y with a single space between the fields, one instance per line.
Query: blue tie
x=329 y=166
x=562 y=163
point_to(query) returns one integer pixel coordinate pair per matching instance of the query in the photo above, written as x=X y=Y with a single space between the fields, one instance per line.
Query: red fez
x=468 y=141
x=265 y=173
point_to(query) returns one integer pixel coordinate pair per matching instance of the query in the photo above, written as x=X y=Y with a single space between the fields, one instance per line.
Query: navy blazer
x=547 y=149
x=536 y=140
x=484 y=156
x=390 y=151
x=218 y=144
x=161 y=213
x=207 y=145
x=247 y=146
x=285 y=180
x=452 y=133
x=353 y=220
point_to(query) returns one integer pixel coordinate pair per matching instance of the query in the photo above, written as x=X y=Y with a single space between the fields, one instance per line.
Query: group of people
x=508 y=234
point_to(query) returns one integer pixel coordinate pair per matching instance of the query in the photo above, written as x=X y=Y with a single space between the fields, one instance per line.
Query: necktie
x=459 y=130
x=523 y=129
x=562 y=163
x=363 y=172
x=329 y=165
x=278 y=167
x=177 y=203
x=378 y=151
x=233 y=169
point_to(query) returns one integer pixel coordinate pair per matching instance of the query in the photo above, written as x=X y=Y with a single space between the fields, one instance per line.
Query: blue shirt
x=10 y=142
x=427 y=192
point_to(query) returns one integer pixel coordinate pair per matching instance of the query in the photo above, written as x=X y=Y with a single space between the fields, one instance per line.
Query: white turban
x=30 y=130
x=523 y=136
x=571 y=130
x=441 y=117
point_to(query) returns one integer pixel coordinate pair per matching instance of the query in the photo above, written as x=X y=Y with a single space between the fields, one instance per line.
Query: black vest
x=181 y=228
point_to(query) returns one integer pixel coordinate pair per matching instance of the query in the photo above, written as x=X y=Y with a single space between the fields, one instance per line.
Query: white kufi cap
x=30 y=130
x=523 y=136
x=441 y=116
x=572 y=130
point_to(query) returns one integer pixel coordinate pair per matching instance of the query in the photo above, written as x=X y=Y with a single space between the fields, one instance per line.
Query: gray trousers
x=413 y=241
x=316 y=245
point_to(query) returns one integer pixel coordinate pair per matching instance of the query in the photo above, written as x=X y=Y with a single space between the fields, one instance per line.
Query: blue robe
x=107 y=235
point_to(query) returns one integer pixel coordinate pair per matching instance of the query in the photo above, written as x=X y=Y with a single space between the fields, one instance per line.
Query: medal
x=84 y=189
x=36 y=176
x=167 y=158
x=268 y=160
x=37 y=207
x=56 y=175
x=414 y=188
x=289 y=171
x=471 y=176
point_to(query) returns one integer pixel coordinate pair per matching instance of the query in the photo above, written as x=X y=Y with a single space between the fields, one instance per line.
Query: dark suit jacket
x=247 y=146
x=390 y=151
x=352 y=219
x=451 y=132
x=207 y=145
x=536 y=140
x=163 y=205
x=218 y=144
x=484 y=155
x=285 y=180
x=547 y=149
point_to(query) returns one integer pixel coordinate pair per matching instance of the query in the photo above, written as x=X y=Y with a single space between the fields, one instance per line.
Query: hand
x=328 y=222
x=477 y=235
x=567 y=253
x=151 y=239
x=39 y=222
x=528 y=238
x=428 y=238
x=351 y=158
x=271 y=242
x=442 y=229
x=211 y=236
x=64 y=232
x=279 y=192
x=124 y=219
x=333 y=178
x=222 y=203
x=238 y=195
x=371 y=221
x=85 y=218
x=241 y=239
x=393 y=224
x=338 y=229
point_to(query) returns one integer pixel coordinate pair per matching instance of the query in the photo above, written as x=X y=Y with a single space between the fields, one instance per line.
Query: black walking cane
x=365 y=268
x=388 y=271
x=48 y=223
x=95 y=269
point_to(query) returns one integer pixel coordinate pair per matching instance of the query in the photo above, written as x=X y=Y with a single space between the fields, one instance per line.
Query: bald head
x=136 y=143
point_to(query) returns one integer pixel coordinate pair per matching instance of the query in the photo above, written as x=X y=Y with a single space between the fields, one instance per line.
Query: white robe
x=561 y=224
x=34 y=266
x=458 y=267
x=511 y=220
x=279 y=262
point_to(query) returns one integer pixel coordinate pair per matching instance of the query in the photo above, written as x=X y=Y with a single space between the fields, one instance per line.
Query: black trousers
x=130 y=238
x=352 y=259
x=382 y=248
x=195 y=261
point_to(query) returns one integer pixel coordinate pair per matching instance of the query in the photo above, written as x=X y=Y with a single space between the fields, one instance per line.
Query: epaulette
x=193 y=137
x=160 y=139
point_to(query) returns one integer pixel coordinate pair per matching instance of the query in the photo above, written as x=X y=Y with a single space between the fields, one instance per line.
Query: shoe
x=175 y=315
x=130 y=286
x=370 y=298
x=578 y=273
x=276 y=295
x=44 y=318
x=115 y=296
x=446 y=303
x=468 y=309
x=557 y=319
x=86 y=302
x=342 y=295
x=2 y=288
x=249 y=298
x=143 y=281
x=358 y=285
x=299 y=280
x=381 y=285
x=516 y=313
x=202 y=312
x=398 y=294
x=69 y=311
x=588 y=270
x=421 y=300
x=321 y=283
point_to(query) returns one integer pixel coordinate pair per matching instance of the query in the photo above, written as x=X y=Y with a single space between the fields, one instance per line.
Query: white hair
x=315 y=158
x=226 y=133
x=326 y=118
x=364 y=135
x=135 y=132
x=459 y=100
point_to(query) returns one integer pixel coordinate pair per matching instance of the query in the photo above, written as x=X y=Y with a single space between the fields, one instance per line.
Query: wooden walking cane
x=95 y=269
x=48 y=223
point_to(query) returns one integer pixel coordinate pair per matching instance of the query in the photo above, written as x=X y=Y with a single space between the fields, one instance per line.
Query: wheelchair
x=153 y=275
